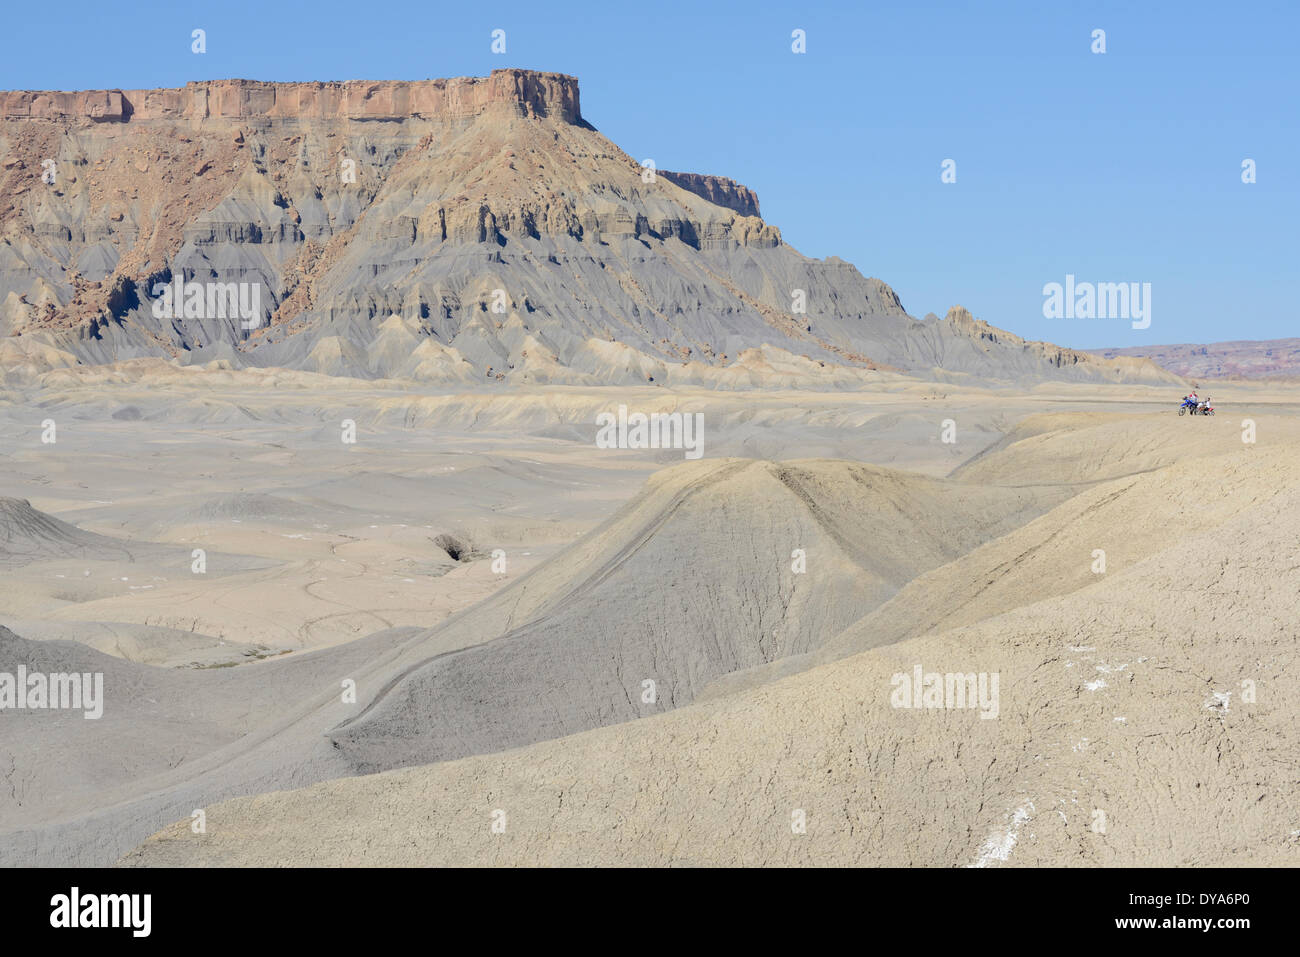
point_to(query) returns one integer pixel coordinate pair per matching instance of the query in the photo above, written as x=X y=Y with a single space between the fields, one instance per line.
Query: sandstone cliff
x=524 y=92
x=717 y=190
x=483 y=217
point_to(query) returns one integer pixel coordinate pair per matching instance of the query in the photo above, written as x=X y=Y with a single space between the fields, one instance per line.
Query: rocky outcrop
x=717 y=190
x=524 y=91
x=961 y=323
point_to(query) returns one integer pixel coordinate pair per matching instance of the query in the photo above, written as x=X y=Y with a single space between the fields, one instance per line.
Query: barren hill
x=463 y=230
x=570 y=647
x=29 y=535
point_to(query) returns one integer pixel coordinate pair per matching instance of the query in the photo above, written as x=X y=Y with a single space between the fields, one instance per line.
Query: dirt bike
x=1187 y=404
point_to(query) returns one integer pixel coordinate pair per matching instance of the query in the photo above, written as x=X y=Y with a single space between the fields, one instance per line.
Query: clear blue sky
x=1117 y=167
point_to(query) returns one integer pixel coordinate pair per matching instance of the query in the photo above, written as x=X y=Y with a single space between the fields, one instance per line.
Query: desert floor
x=564 y=654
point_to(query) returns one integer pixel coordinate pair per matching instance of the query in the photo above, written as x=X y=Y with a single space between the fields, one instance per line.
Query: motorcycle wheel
x=1181 y=411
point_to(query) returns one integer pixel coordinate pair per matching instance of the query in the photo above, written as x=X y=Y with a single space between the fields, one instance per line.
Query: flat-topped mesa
x=530 y=92
x=717 y=190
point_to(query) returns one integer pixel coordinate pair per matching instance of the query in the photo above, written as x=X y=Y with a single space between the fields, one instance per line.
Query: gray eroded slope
x=1123 y=698
x=690 y=582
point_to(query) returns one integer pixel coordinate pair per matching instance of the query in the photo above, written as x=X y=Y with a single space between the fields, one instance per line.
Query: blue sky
x=1123 y=166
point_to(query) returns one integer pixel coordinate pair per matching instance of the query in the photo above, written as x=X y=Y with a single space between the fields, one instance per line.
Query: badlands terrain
x=365 y=585
x=518 y=694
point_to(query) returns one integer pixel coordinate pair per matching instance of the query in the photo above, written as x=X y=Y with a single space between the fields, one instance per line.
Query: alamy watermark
x=922 y=689
x=132 y=912
x=209 y=300
x=657 y=430
x=1103 y=300
x=38 y=691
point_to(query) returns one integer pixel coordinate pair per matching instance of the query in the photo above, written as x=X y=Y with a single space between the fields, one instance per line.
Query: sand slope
x=576 y=624
x=1108 y=703
x=1145 y=715
x=692 y=580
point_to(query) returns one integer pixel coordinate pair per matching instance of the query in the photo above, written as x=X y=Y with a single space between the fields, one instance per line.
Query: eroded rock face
x=526 y=92
x=717 y=190
x=482 y=216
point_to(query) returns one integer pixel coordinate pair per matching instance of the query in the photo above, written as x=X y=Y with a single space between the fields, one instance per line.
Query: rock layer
x=717 y=190
x=526 y=92
x=473 y=229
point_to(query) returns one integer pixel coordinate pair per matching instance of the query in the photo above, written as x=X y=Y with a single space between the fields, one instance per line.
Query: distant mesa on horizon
x=1240 y=358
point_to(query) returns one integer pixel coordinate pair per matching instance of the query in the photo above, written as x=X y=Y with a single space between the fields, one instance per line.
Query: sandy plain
x=499 y=591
